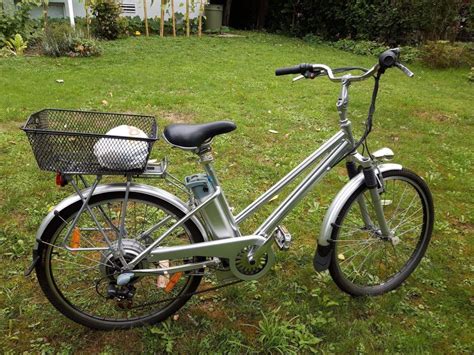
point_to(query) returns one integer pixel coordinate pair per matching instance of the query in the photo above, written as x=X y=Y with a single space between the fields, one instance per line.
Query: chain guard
x=243 y=270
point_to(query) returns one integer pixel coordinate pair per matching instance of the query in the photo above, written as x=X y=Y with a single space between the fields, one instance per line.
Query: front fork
x=373 y=186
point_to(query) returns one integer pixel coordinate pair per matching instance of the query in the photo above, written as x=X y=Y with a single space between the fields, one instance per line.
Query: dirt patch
x=466 y=227
x=435 y=116
x=211 y=310
x=177 y=117
x=230 y=35
x=130 y=341
x=11 y=126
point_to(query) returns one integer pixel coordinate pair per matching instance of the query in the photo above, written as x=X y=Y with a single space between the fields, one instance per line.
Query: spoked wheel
x=366 y=263
x=82 y=284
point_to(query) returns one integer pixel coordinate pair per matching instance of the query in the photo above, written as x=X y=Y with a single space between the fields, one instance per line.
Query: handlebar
x=388 y=59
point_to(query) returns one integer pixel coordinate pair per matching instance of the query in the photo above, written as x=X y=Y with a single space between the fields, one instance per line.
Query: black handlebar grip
x=286 y=71
x=298 y=69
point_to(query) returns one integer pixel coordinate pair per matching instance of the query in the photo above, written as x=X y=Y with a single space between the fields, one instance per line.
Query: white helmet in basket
x=122 y=154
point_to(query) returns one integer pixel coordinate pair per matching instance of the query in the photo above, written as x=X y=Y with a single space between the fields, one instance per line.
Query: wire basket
x=76 y=142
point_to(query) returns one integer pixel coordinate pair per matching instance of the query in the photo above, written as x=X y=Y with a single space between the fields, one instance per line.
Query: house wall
x=59 y=9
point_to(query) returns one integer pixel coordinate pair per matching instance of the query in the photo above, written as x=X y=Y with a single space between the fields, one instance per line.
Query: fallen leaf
x=341 y=257
x=273 y=131
x=273 y=198
x=176 y=317
x=105 y=102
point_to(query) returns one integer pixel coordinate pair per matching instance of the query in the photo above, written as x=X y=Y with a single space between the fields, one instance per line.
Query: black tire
x=376 y=273
x=62 y=293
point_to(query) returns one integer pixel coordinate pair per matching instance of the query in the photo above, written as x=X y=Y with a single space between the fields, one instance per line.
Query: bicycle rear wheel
x=82 y=284
x=364 y=262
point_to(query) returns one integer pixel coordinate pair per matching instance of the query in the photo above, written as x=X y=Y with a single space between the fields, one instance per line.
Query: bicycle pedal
x=282 y=238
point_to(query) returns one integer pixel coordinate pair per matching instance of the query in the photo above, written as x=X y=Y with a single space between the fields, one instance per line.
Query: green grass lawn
x=427 y=121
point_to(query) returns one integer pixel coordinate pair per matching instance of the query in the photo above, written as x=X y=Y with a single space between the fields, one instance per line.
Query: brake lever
x=404 y=69
x=308 y=75
x=299 y=77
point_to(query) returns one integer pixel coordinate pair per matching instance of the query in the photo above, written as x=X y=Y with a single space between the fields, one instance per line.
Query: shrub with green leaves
x=106 y=22
x=408 y=54
x=360 y=47
x=470 y=76
x=16 y=45
x=443 y=54
x=84 y=47
x=61 y=40
x=389 y=21
x=14 y=22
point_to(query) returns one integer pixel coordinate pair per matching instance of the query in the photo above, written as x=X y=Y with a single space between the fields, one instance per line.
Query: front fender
x=144 y=189
x=322 y=257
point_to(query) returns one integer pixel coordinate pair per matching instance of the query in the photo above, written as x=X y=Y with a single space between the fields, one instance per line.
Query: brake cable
x=370 y=115
x=368 y=124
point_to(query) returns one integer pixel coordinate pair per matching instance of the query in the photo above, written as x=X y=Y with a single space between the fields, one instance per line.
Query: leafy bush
x=470 y=76
x=408 y=54
x=16 y=45
x=442 y=54
x=15 y=22
x=5 y=52
x=313 y=39
x=133 y=25
x=360 y=47
x=56 y=40
x=60 y=40
x=386 y=21
x=106 y=23
x=84 y=47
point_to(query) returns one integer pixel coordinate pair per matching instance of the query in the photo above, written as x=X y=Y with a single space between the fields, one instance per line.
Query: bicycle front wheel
x=82 y=284
x=363 y=261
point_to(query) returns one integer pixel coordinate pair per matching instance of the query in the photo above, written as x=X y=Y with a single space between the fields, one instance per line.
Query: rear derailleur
x=123 y=295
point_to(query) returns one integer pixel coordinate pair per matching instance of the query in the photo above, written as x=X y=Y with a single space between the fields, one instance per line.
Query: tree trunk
x=45 y=14
x=201 y=11
x=261 y=14
x=173 y=18
x=145 y=14
x=88 y=18
x=162 y=18
x=226 y=20
x=188 y=29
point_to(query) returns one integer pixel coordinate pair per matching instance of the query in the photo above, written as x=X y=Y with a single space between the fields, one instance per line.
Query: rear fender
x=139 y=188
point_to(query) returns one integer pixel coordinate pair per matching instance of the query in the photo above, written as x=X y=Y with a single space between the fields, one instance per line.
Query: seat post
x=206 y=158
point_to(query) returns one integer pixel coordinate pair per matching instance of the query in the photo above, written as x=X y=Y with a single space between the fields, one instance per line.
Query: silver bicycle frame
x=325 y=157
x=328 y=155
